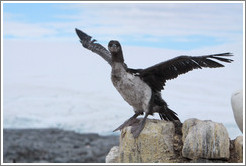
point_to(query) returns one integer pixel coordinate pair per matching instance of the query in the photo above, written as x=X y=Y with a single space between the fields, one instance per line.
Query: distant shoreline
x=55 y=146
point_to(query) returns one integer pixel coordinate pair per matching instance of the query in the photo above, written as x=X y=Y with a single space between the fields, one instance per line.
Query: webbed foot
x=137 y=128
x=128 y=122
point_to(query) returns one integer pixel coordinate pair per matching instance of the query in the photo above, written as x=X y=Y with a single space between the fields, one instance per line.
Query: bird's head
x=115 y=49
x=114 y=46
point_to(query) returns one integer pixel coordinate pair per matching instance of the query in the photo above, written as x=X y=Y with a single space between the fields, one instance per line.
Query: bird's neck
x=117 y=57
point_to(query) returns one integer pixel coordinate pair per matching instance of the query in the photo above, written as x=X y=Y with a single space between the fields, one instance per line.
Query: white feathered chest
x=134 y=91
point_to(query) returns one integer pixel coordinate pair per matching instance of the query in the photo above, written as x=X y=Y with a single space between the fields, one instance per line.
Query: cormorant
x=141 y=87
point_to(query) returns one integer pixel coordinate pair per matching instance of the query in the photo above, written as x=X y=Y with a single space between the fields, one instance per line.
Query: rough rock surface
x=187 y=125
x=154 y=144
x=194 y=141
x=205 y=139
x=113 y=155
x=55 y=146
x=239 y=148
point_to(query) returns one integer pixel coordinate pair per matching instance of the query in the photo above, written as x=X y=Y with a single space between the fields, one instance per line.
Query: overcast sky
x=180 y=26
x=42 y=54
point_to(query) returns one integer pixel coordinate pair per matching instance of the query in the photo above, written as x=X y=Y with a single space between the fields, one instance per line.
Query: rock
x=205 y=139
x=154 y=144
x=187 y=125
x=194 y=141
x=239 y=149
x=55 y=146
x=201 y=160
x=113 y=155
x=237 y=107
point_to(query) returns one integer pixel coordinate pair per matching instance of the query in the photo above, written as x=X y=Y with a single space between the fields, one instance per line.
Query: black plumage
x=155 y=76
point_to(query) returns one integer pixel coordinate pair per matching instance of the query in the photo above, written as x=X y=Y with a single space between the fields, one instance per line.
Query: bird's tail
x=168 y=114
x=162 y=108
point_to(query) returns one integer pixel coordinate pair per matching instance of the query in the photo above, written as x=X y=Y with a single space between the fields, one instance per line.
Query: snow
x=61 y=84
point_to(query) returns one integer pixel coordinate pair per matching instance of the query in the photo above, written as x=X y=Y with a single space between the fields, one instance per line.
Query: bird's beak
x=113 y=48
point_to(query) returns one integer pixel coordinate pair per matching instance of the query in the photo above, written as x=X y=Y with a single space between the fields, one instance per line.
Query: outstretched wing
x=94 y=47
x=156 y=76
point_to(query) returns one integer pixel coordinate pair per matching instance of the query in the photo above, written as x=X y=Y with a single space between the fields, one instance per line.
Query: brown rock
x=113 y=155
x=154 y=144
x=239 y=149
x=205 y=139
x=161 y=142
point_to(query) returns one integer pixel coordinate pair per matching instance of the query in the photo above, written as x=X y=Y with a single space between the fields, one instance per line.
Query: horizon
x=46 y=69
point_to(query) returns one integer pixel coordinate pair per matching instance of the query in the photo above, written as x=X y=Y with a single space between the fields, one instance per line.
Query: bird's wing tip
x=82 y=35
x=229 y=54
x=77 y=30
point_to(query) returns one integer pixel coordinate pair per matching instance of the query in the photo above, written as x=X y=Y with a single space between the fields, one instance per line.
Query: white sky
x=42 y=51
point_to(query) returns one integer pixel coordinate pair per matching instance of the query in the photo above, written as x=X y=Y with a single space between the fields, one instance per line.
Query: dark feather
x=165 y=113
x=97 y=48
x=94 y=47
x=156 y=76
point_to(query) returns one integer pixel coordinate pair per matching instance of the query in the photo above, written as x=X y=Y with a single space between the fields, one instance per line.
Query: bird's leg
x=129 y=121
x=136 y=129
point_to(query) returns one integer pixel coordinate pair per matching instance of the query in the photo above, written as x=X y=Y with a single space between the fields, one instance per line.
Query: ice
x=63 y=85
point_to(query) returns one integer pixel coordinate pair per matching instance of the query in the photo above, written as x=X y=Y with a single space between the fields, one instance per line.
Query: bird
x=141 y=88
x=237 y=107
